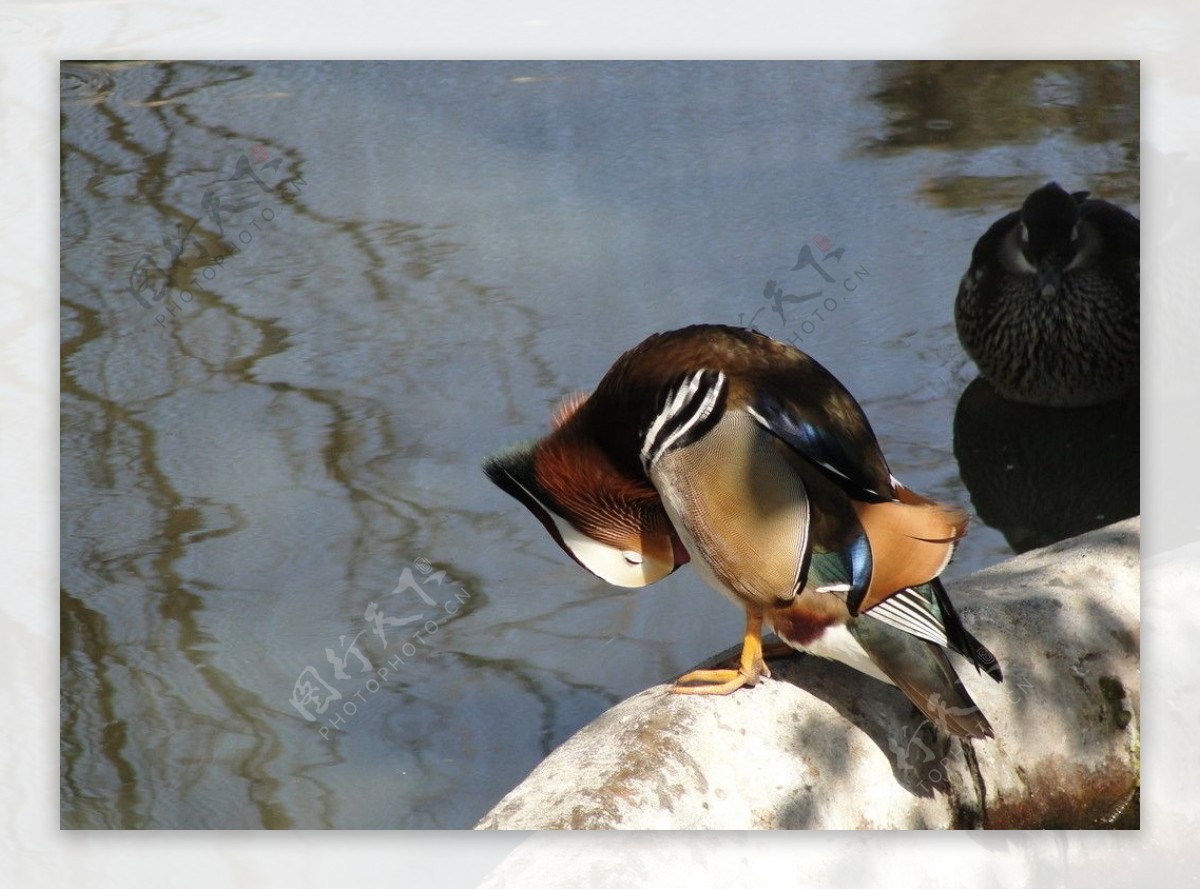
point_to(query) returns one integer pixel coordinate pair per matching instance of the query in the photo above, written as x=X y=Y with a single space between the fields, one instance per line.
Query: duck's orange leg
x=778 y=649
x=724 y=681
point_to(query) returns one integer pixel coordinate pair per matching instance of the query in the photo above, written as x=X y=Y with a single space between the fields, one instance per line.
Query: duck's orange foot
x=719 y=681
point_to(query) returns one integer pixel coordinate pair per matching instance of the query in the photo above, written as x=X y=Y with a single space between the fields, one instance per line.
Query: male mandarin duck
x=1048 y=308
x=743 y=455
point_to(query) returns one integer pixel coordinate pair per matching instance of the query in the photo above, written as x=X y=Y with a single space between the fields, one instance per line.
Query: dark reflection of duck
x=1049 y=306
x=1040 y=475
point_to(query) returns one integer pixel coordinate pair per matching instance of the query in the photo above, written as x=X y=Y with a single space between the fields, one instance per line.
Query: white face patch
x=1087 y=247
x=1023 y=264
x=1012 y=258
x=621 y=568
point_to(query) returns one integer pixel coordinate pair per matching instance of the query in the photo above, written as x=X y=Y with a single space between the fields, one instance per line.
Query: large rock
x=822 y=746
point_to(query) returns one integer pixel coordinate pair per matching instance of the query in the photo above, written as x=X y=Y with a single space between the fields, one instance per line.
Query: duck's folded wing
x=909 y=539
x=923 y=673
x=1122 y=233
x=835 y=437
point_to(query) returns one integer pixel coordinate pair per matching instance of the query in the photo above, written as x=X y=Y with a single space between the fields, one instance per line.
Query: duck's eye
x=1024 y=233
x=632 y=557
x=1075 y=232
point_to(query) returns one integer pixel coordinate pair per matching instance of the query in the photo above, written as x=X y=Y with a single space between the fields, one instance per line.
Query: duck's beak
x=1049 y=277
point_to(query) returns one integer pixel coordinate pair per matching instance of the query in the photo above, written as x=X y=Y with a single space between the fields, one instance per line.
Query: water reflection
x=1041 y=475
x=256 y=444
x=239 y=477
x=1006 y=112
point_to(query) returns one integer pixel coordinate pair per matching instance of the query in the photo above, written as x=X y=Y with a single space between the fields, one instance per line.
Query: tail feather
x=962 y=640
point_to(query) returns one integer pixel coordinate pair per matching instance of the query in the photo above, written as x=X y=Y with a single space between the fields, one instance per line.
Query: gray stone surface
x=822 y=746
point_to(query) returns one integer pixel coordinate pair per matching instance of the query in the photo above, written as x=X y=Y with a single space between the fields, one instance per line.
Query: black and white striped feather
x=910 y=611
x=690 y=410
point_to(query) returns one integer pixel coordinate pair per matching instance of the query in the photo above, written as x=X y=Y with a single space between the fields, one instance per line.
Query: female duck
x=1048 y=309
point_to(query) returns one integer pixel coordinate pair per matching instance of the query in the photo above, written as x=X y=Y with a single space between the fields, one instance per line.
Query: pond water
x=301 y=302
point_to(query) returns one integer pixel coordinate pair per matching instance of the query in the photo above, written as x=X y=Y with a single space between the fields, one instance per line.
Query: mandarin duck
x=1049 y=307
x=726 y=448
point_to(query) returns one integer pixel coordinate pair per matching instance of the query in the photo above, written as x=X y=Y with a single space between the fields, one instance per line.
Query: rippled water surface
x=301 y=302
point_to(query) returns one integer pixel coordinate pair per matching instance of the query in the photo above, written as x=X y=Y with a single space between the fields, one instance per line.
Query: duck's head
x=613 y=526
x=1050 y=238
